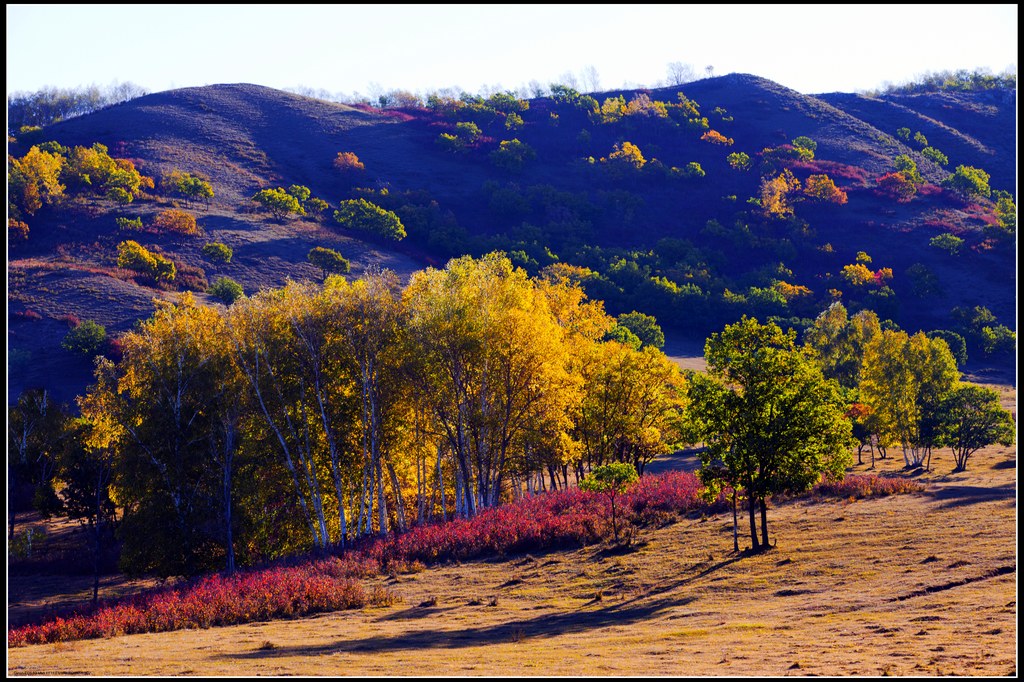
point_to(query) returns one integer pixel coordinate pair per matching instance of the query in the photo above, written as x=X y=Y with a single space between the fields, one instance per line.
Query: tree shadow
x=960 y=495
x=634 y=610
x=542 y=626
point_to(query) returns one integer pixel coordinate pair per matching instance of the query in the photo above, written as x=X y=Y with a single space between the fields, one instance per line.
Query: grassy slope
x=908 y=585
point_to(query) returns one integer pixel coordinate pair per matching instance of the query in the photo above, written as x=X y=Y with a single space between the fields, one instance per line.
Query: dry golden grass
x=913 y=585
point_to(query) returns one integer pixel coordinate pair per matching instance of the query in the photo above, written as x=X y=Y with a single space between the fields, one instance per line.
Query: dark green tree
x=771 y=421
x=88 y=339
x=360 y=214
x=215 y=252
x=644 y=327
x=328 y=260
x=226 y=289
x=972 y=418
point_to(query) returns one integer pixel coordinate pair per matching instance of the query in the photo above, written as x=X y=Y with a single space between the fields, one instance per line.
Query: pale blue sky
x=367 y=49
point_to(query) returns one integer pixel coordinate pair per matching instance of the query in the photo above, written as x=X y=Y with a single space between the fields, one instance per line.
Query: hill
x=693 y=248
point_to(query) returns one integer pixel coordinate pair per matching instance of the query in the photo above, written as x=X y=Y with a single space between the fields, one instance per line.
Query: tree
x=896 y=186
x=907 y=167
x=971 y=418
x=279 y=202
x=680 y=73
x=34 y=180
x=87 y=339
x=360 y=214
x=775 y=194
x=968 y=183
x=904 y=379
x=348 y=162
x=84 y=468
x=226 y=289
x=947 y=242
x=189 y=187
x=35 y=425
x=512 y=155
x=167 y=408
x=216 y=252
x=176 y=221
x=328 y=260
x=822 y=188
x=771 y=422
x=134 y=256
x=739 y=161
x=644 y=327
x=804 y=142
x=611 y=480
x=625 y=157
x=935 y=155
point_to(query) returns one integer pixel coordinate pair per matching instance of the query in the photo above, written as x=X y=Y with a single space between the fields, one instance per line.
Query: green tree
x=947 y=242
x=771 y=421
x=935 y=155
x=216 y=252
x=968 y=183
x=739 y=161
x=907 y=167
x=328 y=260
x=84 y=468
x=279 y=202
x=226 y=289
x=360 y=214
x=611 y=480
x=88 y=339
x=512 y=155
x=972 y=418
x=804 y=142
x=644 y=327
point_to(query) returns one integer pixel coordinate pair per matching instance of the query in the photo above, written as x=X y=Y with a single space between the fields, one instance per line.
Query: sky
x=370 y=49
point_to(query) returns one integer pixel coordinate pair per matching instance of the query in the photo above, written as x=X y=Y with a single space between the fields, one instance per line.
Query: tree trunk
x=754 y=544
x=764 y=524
x=735 y=523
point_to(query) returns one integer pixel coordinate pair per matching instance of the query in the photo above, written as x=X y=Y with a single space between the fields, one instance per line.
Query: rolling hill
x=701 y=238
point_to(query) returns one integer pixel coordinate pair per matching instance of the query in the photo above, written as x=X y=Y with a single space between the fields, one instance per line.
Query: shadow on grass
x=1007 y=464
x=633 y=610
x=514 y=630
x=959 y=495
